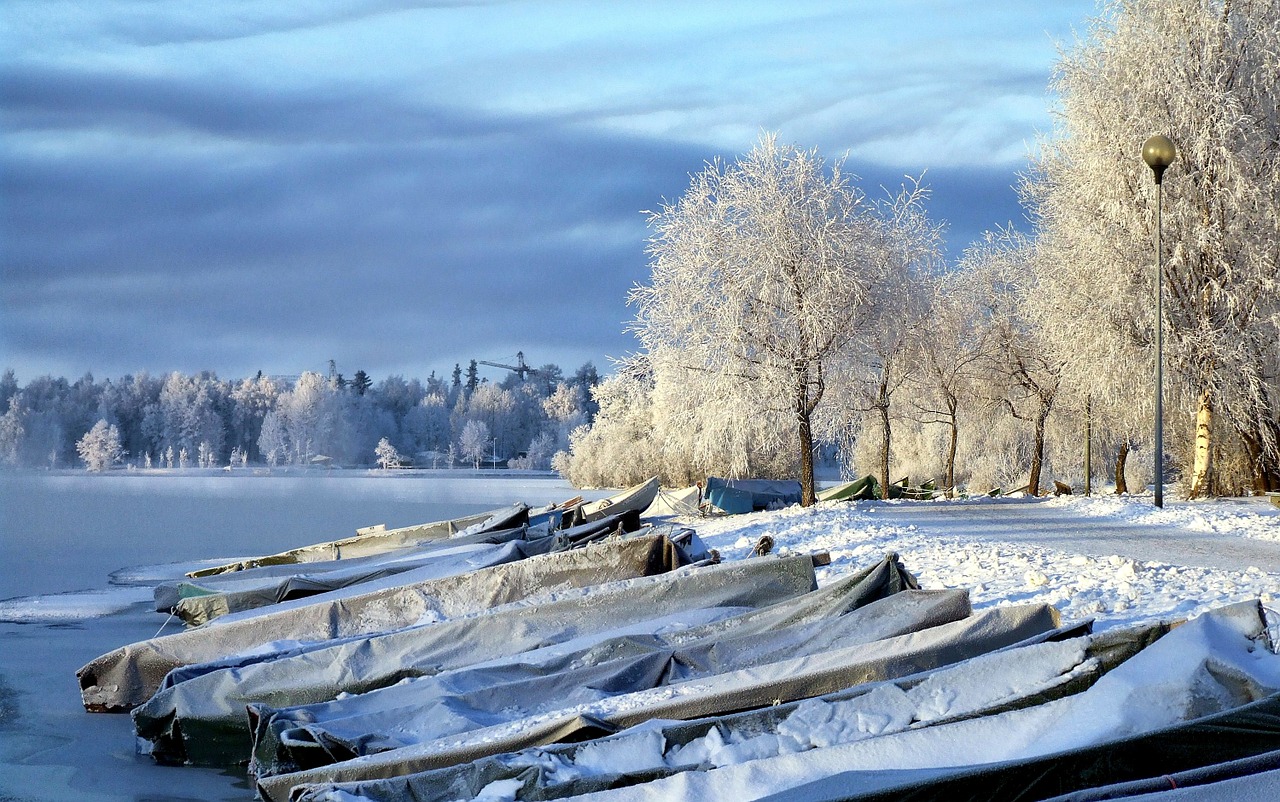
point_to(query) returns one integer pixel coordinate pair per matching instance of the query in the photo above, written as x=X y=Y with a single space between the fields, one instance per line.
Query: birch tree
x=949 y=356
x=759 y=286
x=1204 y=73
x=1023 y=370
x=904 y=252
x=474 y=441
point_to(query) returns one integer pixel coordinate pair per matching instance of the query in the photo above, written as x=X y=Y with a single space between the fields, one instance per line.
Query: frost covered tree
x=11 y=433
x=621 y=448
x=758 y=290
x=948 y=355
x=252 y=399
x=273 y=440
x=474 y=441
x=100 y=448
x=387 y=455
x=187 y=414
x=1023 y=373
x=1204 y=73
x=308 y=415
x=426 y=426
x=538 y=455
x=497 y=409
x=905 y=253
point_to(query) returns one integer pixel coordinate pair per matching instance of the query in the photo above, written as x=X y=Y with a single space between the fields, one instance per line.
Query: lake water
x=65 y=531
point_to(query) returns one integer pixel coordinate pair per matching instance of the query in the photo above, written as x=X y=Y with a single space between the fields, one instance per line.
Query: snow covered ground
x=1118 y=560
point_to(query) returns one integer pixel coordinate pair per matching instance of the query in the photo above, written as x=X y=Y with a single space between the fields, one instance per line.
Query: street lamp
x=1159 y=152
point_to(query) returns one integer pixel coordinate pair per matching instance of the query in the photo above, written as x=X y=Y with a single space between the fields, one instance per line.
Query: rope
x=165 y=624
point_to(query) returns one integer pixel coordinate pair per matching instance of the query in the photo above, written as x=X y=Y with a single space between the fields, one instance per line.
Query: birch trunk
x=1202 y=457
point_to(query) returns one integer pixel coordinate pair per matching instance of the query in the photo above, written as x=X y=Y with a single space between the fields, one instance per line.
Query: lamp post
x=1159 y=152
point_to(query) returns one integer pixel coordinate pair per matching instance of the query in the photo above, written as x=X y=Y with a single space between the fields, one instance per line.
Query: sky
x=402 y=186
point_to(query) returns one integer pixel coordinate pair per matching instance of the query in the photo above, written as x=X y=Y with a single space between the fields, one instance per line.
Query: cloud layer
x=402 y=186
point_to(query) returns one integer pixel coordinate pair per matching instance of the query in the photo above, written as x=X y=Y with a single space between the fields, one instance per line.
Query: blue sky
x=399 y=186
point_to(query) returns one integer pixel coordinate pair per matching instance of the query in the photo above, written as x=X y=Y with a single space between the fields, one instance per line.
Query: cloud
x=400 y=186
x=246 y=229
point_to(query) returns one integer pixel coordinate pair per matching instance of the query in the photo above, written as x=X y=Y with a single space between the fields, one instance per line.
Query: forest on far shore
x=203 y=421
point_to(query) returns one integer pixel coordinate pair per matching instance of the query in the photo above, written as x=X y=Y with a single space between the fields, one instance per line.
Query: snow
x=1094 y=563
x=1170 y=681
x=70 y=607
x=1116 y=559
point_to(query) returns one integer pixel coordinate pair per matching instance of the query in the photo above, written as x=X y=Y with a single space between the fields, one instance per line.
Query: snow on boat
x=636 y=498
x=685 y=502
x=1200 y=701
x=1045 y=667
x=744 y=688
x=126 y=677
x=736 y=496
x=200 y=602
x=429 y=708
x=199 y=716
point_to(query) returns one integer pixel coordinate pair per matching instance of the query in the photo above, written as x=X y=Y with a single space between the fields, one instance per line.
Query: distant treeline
x=200 y=420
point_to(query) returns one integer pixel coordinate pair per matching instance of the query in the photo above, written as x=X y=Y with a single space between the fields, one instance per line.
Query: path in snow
x=1054 y=524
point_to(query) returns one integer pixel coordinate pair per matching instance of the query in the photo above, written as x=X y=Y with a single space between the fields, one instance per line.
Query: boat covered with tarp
x=735 y=496
x=377 y=540
x=1051 y=665
x=749 y=685
x=1073 y=716
x=198 y=603
x=198 y=716
x=634 y=499
x=126 y=677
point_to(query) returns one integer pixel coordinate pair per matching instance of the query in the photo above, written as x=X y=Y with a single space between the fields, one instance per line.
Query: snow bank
x=1115 y=590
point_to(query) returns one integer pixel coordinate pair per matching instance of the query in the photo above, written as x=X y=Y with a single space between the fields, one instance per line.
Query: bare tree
x=949 y=356
x=1023 y=371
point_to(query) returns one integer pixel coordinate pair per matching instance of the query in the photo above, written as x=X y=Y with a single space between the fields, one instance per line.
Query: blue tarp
x=746 y=495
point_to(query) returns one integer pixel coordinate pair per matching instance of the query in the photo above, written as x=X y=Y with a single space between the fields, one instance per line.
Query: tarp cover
x=764 y=492
x=1060 y=662
x=201 y=718
x=633 y=499
x=383 y=540
x=683 y=502
x=272 y=580
x=1249 y=778
x=199 y=605
x=1241 y=732
x=863 y=489
x=757 y=686
x=1187 y=701
x=559 y=679
x=124 y=678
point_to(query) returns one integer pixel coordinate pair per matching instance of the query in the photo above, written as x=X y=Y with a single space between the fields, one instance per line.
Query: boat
x=636 y=498
x=380 y=541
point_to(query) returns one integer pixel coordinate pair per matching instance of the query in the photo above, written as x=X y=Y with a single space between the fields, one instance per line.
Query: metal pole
x=1159 y=152
x=1088 y=445
x=1159 y=456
